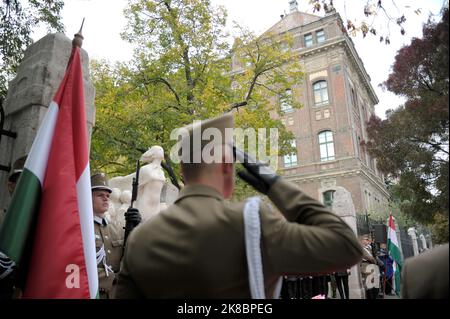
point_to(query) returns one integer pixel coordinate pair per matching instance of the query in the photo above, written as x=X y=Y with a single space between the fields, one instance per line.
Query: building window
x=326 y=146
x=286 y=102
x=326 y=114
x=328 y=197
x=318 y=115
x=320 y=92
x=291 y=159
x=354 y=98
x=283 y=121
x=290 y=120
x=320 y=36
x=308 y=40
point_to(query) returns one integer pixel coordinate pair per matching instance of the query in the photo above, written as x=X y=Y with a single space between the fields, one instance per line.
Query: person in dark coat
x=426 y=276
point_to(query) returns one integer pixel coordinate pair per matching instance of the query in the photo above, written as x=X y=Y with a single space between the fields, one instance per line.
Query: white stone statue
x=151 y=182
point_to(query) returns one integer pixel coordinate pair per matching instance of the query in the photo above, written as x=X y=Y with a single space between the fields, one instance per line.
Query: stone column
x=31 y=91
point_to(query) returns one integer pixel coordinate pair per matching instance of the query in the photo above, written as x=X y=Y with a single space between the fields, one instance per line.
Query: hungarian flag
x=49 y=228
x=394 y=252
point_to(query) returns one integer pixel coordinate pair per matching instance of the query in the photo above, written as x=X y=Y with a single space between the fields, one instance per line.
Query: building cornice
x=314 y=177
x=375 y=180
x=346 y=44
x=345 y=41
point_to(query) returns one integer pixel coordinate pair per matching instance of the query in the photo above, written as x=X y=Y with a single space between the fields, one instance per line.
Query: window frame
x=321 y=37
x=310 y=42
x=329 y=145
x=291 y=162
x=285 y=104
x=321 y=90
x=328 y=200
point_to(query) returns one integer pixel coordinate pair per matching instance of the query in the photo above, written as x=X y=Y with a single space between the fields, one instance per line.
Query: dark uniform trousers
x=108 y=239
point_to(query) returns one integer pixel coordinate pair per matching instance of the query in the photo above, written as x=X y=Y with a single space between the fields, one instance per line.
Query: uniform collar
x=199 y=190
x=100 y=221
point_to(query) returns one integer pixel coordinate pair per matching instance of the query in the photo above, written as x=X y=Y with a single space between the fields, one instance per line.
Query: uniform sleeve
x=403 y=282
x=368 y=257
x=125 y=287
x=310 y=239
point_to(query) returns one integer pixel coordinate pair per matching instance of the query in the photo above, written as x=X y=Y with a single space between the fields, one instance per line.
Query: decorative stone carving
x=323 y=73
x=328 y=183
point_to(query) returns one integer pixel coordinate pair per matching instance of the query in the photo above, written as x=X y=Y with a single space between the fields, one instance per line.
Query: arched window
x=326 y=146
x=320 y=92
x=328 y=197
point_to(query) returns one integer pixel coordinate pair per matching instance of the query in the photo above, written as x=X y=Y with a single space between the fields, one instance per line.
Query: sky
x=104 y=21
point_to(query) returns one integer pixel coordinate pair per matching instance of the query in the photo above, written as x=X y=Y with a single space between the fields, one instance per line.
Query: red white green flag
x=51 y=209
x=395 y=253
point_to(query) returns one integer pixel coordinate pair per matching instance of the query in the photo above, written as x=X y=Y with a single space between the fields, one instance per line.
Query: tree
x=411 y=144
x=18 y=19
x=182 y=72
x=378 y=16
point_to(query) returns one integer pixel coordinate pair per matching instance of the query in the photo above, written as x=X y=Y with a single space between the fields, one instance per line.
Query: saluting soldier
x=370 y=270
x=108 y=239
x=196 y=247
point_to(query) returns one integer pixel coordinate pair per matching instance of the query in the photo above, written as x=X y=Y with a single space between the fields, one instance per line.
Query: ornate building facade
x=337 y=100
x=329 y=163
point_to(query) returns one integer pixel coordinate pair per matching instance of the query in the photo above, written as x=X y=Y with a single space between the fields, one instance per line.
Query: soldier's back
x=195 y=248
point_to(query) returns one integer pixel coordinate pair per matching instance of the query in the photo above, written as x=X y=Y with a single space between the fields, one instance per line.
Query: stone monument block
x=31 y=91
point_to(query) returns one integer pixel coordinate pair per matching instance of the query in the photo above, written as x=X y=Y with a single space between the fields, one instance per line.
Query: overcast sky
x=105 y=21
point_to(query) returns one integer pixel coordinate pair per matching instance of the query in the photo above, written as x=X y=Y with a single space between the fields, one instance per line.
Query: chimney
x=293 y=6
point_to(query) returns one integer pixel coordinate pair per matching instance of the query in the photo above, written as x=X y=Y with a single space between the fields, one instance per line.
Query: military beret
x=211 y=132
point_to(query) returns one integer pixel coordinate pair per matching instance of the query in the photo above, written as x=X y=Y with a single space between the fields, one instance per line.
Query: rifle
x=131 y=223
x=135 y=184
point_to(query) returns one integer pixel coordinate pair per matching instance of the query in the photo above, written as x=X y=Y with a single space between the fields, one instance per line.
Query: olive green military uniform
x=2 y=216
x=426 y=275
x=109 y=246
x=196 y=248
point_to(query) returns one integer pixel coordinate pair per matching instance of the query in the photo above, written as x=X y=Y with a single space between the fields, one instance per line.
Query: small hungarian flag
x=394 y=252
x=51 y=210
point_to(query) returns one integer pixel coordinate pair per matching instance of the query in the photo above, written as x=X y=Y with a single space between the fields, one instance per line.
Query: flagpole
x=78 y=37
x=77 y=41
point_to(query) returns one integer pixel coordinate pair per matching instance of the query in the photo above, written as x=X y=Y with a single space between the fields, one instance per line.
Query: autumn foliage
x=411 y=144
